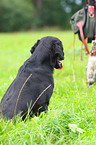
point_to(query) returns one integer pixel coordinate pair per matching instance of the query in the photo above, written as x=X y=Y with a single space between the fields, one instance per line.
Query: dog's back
x=30 y=87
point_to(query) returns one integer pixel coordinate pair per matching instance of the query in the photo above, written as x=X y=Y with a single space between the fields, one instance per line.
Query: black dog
x=35 y=75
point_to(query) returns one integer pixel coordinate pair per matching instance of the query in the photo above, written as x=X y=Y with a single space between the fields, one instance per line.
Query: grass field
x=71 y=118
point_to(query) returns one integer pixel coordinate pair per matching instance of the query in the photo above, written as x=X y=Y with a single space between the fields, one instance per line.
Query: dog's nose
x=62 y=56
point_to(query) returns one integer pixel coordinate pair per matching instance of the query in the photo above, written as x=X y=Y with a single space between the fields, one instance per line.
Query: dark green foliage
x=57 y=12
x=15 y=15
x=30 y=14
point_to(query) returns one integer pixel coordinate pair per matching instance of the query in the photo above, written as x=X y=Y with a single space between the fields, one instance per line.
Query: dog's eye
x=58 y=43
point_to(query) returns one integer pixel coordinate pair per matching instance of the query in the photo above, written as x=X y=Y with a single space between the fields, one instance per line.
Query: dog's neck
x=37 y=62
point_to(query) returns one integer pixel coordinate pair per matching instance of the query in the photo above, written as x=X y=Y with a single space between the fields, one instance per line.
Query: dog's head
x=51 y=49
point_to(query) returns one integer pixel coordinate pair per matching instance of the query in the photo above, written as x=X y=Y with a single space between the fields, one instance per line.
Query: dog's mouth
x=60 y=65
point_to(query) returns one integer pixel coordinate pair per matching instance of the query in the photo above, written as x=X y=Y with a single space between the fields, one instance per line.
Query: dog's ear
x=35 y=45
x=52 y=55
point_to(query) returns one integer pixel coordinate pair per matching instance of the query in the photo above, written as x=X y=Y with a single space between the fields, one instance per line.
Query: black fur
x=43 y=60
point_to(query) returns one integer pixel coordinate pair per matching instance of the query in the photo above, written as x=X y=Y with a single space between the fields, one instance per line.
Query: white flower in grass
x=12 y=77
x=74 y=128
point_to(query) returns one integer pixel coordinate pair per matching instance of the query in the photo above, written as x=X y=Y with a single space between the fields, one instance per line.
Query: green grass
x=71 y=118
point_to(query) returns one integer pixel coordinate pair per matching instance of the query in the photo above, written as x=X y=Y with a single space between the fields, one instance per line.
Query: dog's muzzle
x=59 y=64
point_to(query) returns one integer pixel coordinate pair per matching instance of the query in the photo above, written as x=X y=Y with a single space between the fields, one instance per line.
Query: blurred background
x=27 y=15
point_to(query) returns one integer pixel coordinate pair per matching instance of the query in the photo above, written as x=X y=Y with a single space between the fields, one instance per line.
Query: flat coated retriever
x=35 y=75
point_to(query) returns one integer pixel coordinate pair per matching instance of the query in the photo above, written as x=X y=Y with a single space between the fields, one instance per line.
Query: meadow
x=71 y=118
